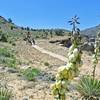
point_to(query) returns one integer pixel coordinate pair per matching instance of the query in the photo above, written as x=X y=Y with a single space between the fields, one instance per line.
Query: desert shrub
x=37 y=36
x=31 y=73
x=7 y=57
x=46 y=64
x=5 y=52
x=10 y=37
x=51 y=33
x=69 y=34
x=5 y=94
x=12 y=41
x=13 y=44
x=4 y=37
x=9 y=20
x=12 y=27
x=9 y=62
x=89 y=88
x=59 y=32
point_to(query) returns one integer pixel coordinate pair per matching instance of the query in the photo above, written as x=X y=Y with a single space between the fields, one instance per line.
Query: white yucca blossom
x=99 y=39
x=62 y=91
x=58 y=84
x=62 y=68
x=58 y=77
x=72 y=58
x=95 y=61
x=53 y=86
x=63 y=83
x=71 y=48
x=69 y=54
x=93 y=56
x=96 y=43
x=76 y=52
x=69 y=65
x=96 y=50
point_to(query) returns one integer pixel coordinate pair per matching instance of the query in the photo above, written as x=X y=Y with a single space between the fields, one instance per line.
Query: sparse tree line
x=47 y=32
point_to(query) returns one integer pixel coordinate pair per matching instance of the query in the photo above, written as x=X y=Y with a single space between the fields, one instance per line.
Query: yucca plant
x=89 y=88
x=69 y=71
x=5 y=94
x=95 y=55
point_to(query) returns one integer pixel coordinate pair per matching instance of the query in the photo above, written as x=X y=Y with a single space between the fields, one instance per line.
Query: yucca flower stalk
x=95 y=55
x=75 y=53
x=62 y=79
x=67 y=72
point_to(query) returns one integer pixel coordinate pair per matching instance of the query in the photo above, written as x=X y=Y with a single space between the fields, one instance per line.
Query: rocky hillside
x=7 y=26
x=91 y=31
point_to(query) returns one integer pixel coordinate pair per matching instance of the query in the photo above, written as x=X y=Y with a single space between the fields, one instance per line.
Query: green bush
x=5 y=94
x=30 y=73
x=12 y=27
x=13 y=44
x=4 y=37
x=9 y=62
x=89 y=88
x=59 y=32
x=37 y=36
x=6 y=52
x=46 y=64
x=7 y=57
x=12 y=41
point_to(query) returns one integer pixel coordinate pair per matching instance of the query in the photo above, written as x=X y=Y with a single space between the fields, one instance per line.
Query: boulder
x=87 y=47
x=11 y=70
x=92 y=40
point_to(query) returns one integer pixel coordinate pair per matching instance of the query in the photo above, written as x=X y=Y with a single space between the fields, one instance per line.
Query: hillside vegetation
x=11 y=29
x=27 y=73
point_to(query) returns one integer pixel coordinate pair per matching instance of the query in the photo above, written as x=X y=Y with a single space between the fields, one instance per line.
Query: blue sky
x=51 y=13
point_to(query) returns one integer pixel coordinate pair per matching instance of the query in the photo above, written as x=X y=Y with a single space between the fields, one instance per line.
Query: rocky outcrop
x=87 y=47
x=64 y=42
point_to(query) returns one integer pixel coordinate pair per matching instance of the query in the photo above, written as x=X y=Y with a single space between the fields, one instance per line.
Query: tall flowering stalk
x=75 y=53
x=67 y=73
x=95 y=55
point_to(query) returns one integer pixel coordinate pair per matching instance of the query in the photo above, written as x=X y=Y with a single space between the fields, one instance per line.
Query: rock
x=92 y=40
x=11 y=70
x=24 y=66
x=64 y=42
x=87 y=47
x=46 y=77
x=25 y=98
x=2 y=69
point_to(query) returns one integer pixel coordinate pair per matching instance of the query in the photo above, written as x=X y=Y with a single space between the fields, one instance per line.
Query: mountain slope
x=91 y=32
x=13 y=29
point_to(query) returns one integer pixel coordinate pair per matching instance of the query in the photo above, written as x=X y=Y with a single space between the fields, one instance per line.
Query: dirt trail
x=62 y=58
